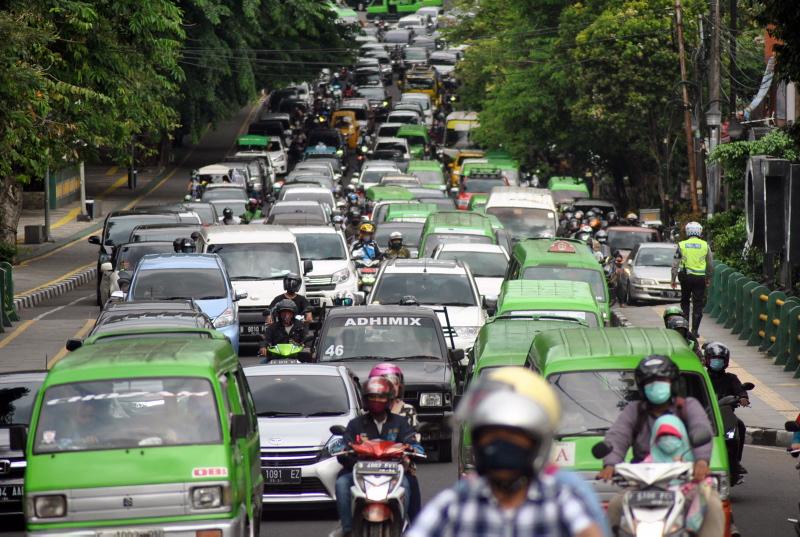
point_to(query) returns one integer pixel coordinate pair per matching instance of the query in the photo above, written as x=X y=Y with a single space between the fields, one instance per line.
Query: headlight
x=225 y=319
x=53 y=506
x=256 y=186
x=334 y=445
x=280 y=158
x=467 y=331
x=207 y=497
x=385 y=103
x=430 y=399
x=340 y=276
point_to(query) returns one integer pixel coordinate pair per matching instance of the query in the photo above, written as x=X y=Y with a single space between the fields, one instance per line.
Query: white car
x=423 y=100
x=278 y=155
x=372 y=171
x=437 y=284
x=488 y=263
x=296 y=405
x=334 y=271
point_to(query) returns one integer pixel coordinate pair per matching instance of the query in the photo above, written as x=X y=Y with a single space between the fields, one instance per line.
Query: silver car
x=296 y=405
x=648 y=272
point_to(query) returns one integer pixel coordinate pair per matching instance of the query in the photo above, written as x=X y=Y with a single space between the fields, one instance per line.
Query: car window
x=119 y=228
x=482 y=264
x=320 y=246
x=380 y=337
x=257 y=261
x=588 y=317
x=127 y=413
x=298 y=395
x=626 y=240
x=184 y=283
x=435 y=239
x=16 y=401
x=427 y=288
x=522 y=223
x=593 y=277
x=128 y=256
x=411 y=234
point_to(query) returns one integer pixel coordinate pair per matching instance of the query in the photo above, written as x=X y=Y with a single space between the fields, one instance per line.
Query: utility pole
x=47 y=205
x=732 y=44
x=714 y=112
x=687 y=112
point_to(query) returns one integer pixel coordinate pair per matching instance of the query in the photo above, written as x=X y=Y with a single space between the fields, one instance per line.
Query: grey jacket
x=620 y=435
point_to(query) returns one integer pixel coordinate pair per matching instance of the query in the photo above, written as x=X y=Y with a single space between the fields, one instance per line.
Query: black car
x=17 y=394
x=411 y=337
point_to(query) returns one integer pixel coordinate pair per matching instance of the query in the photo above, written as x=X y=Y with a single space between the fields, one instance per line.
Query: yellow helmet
x=366 y=227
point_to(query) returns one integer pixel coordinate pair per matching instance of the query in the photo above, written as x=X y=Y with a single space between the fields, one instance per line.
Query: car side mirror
x=489 y=304
x=18 y=437
x=73 y=344
x=124 y=281
x=456 y=356
x=728 y=400
x=240 y=296
x=600 y=450
x=240 y=427
x=94 y=239
x=106 y=267
x=338 y=430
x=308 y=266
x=118 y=295
x=700 y=438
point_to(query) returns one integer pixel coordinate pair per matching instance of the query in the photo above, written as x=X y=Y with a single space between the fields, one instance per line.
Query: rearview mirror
x=94 y=239
x=18 y=436
x=600 y=450
x=337 y=430
x=240 y=296
x=73 y=344
x=240 y=427
x=308 y=266
x=106 y=267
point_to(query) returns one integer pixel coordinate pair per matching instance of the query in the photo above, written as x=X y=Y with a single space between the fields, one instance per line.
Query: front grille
x=312 y=288
x=271 y=459
x=318 y=280
x=308 y=485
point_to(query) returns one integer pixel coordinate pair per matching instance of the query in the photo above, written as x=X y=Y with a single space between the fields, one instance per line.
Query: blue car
x=201 y=278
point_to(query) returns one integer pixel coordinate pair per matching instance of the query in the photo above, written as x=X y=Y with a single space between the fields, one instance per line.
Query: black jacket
x=396 y=429
x=276 y=333
x=727 y=384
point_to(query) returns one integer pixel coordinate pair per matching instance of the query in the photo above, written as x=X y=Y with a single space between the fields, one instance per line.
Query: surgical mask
x=658 y=392
x=503 y=455
x=716 y=364
x=669 y=444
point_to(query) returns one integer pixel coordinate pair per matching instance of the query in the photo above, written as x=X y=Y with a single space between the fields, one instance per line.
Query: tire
x=445 y=451
x=98 y=299
x=629 y=300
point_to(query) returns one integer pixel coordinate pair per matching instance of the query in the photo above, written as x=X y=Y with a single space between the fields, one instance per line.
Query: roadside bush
x=8 y=252
x=727 y=235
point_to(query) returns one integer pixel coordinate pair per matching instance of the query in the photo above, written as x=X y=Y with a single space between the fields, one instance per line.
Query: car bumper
x=317 y=485
x=663 y=293
x=228 y=528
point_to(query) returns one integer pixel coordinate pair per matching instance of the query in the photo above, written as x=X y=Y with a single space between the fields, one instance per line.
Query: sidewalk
x=776 y=396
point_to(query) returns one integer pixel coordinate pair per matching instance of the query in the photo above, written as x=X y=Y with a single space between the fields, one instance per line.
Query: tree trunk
x=10 y=209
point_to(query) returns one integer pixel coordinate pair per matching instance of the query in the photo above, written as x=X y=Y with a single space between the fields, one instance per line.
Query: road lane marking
x=67 y=218
x=80 y=334
x=19 y=330
x=765 y=448
x=764 y=392
x=112 y=170
x=122 y=180
x=55 y=280
x=59 y=308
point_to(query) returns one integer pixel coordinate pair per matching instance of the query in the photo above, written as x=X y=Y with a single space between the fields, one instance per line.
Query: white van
x=524 y=212
x=257 y=258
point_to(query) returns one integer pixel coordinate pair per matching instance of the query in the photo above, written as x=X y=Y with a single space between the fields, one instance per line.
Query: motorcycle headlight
x=334 y=445
x=224 y=319
x=431 y=399
x=207 y=497
x=467 y=332
x=340 y=276
x=52 y=506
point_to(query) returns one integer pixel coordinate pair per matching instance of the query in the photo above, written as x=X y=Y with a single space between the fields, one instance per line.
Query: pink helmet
x=392 y=373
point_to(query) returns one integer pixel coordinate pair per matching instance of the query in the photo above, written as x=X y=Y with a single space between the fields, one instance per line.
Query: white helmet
x=395 y=235
x=693 y=229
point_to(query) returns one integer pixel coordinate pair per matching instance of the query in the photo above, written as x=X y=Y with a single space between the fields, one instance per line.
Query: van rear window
x=593 y=277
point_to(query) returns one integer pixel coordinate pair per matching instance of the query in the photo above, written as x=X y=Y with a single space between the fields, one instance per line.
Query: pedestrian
x=693 y=267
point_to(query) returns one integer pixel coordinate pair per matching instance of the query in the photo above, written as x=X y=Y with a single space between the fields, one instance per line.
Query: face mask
x=504 y=455
x=716 y=364
x=658 y=392
x=376 y=407
x=669 y=444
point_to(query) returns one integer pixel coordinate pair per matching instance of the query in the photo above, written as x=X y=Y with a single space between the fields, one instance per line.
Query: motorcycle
x=793 y=427
x=378 y=492
x=367 y=270
x=733 y=440
x=286 y=353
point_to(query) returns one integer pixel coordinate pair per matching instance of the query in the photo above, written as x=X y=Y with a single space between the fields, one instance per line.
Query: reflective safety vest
x=694 y=252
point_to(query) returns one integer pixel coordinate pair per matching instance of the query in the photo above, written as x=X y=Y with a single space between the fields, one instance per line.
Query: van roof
x=458 y=219
x=462 y=115
x=548 y=294
x=504 y=342
x=244 y=234
x=517 y=196
x=547 y=252
x=145 y=356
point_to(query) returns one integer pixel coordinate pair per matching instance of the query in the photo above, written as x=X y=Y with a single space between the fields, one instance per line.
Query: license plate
x=10 y=493
x=142 y=532
x=282 y=476
x=652 y=498
x=252 y=329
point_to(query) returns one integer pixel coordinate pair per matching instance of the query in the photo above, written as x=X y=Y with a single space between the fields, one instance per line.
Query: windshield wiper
x=324 y=413
x=247 y=277
x=210 y=297
x=277 y=414
x=176 y=298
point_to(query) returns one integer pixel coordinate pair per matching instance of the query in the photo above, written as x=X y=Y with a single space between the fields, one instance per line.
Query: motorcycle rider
x=681 y=326
x=228 y=218
x=601 y=236
x=291 y=284
x=396 y=248
x=366 y=243
x=286 y=329
x=716 y=358
x=656 y=379
x=251 y=212
x=353 y=224
x=512 y=435
x=379 y=423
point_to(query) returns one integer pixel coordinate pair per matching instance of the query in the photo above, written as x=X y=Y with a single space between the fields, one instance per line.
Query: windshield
x=429 y=177
x=424 y=103
x=396 y=37
x=390 y=146
x=427 y=288
x=416 y=54
x=593 y=277
x=380 y=337
x=119 y=228
x=179 y=283
x=224 y=194
x=127 y=413
x=406 y=118
x=524 y=223
x=205 y=212
x=626 y=240
x=592 y=400
x=288 y=396
x=420 y=83
x=414 y=139
x=320 y=246
x=237 y=206
x=655 y=257
x=361 y=113
x=412 y=234
x=257 y=261
x=374 y=176
x=584 y=316
x=128 y=256
x=435 y=239
x=443 y=60
x=482 y=186
x=374 y=94
x=482 y=264
x=388 y=131
x=16 y=401
x=457 y=138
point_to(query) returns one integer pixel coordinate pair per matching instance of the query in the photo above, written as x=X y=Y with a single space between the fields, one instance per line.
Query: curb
x=768 y=437
x=618 y=319
x=55 y=290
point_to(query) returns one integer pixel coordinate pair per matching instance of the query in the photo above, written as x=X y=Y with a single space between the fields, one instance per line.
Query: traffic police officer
x=693 y=267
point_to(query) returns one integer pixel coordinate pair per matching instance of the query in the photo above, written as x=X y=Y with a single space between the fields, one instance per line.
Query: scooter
x=367 y=270
x=286 y=353
x=733 y=440
x=378 y=491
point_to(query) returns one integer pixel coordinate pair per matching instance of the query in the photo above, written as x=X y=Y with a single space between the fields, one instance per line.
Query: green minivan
x=417 y=138
x=559 y=259
x=410 y=212
x=455 y=226
x=429 y=173
x=592 y=371
x=550 y=299
x=144 y=436
x=567 y=189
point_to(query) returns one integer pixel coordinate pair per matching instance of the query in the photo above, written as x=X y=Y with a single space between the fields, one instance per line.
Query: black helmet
x=286 y=305
x=654 y=367
x=611 y=217
x=584 y=236
x=715 y=349
x=601 y=236
x=227 y=212
x=291 y=282
x=678 y=323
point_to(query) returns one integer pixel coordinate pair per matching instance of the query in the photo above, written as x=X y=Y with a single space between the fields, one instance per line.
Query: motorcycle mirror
x=600 y=450
x=791 y=426
x=728 y=400
x=337 y=430
x=748 y=386
x=700 y=438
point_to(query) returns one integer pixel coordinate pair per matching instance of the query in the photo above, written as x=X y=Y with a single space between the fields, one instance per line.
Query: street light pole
x=714 y=113
x=83 y=190
x=687 y=112
x=47 y=205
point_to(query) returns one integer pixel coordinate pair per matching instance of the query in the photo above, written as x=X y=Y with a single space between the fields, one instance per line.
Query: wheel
x=629 y=300
x=445 y=451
